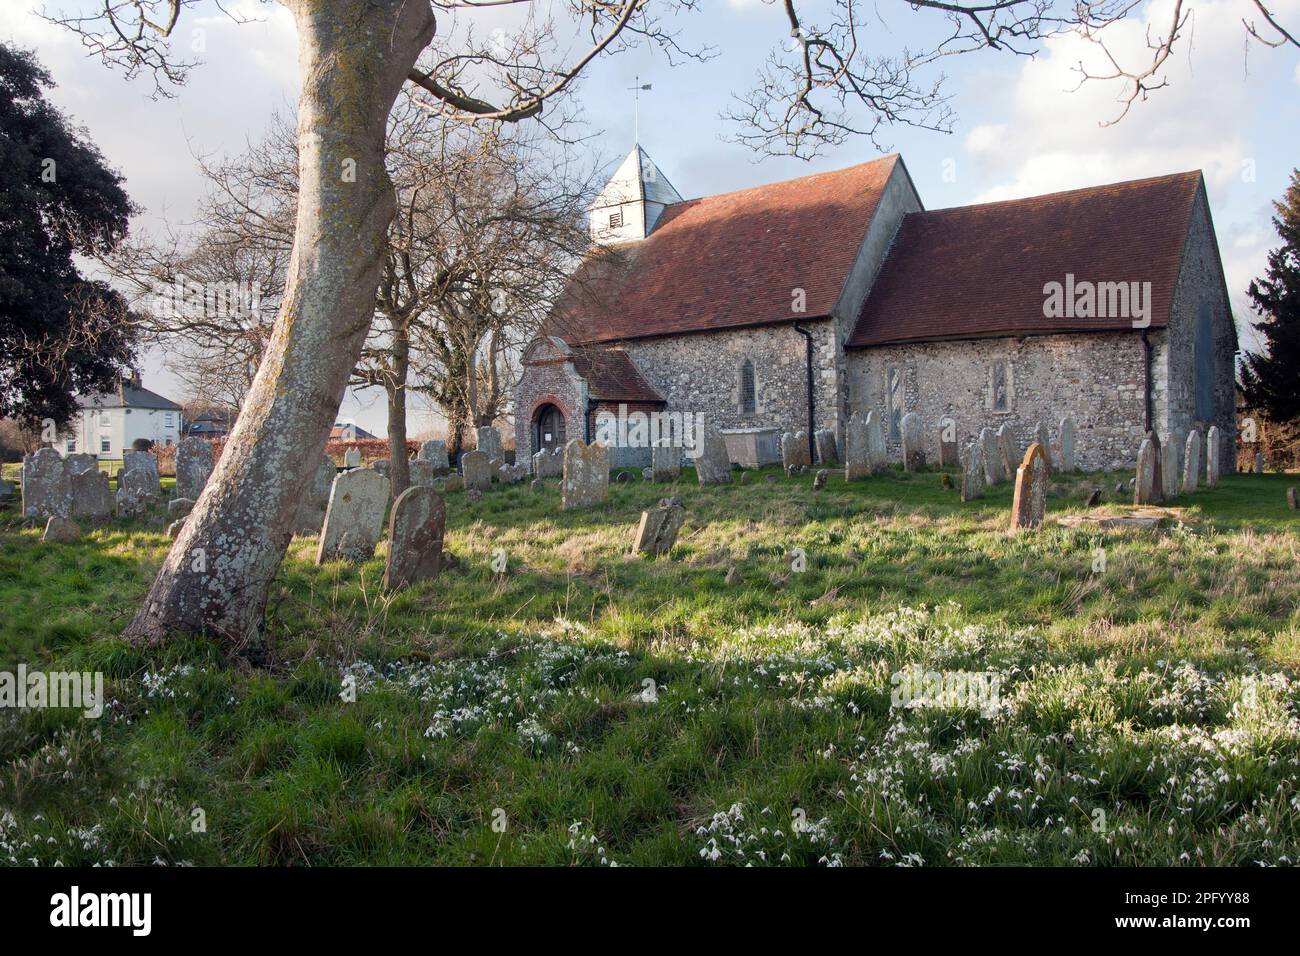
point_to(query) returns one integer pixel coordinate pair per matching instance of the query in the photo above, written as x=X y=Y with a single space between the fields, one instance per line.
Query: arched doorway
x=548 y=428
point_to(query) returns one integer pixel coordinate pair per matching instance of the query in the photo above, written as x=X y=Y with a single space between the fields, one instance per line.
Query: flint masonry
x=837 y=292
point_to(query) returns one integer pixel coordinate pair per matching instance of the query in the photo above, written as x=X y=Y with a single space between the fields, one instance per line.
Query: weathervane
x=636 y=108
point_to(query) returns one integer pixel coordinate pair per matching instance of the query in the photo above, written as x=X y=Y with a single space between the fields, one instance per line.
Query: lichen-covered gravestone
x=794 y=450
x=1158 y=481
x=476 y=468
x=421 y=472
x=489 y=442
x=1008 y=453
x=434 y=452
x=1066 y=462
x=586 y=474
x=1213 y=451
x=658 y=530
x=415 y=533
x=991 y=457
x=91 y=495
x=139 y=474
x=47 y=493
x=913 y=442
x=857 y=463
x=1029 y=506
x=193 y=466
x=1169 y=471
x=1044 y=438
x=549 y=464
x=824 y=439
x=819 y=479
x=973 y=471
x=315 y=498
x=877 y=453
x=1192 y=462
x=949 y=450
x=1146 y=487
x=354 y=518
x=352 y=458
x=713 y=464
x=59 y=530
x=665 y=461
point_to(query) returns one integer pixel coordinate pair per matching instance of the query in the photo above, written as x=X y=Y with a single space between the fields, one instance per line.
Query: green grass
x=600 y=707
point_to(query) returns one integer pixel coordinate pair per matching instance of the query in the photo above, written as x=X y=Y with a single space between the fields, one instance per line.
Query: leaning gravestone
x=973 y=471
x=991 y=457
x=1213 y=451
x=315 y=498
x=352 y=458
x=586 y=474
x=415 y=532
x=47 y=493
x=434 y=452
x=824 y=439
x=1044 y=438
x=877 y=453
x=713 y=464
x=665 y=461
x=477 y=470
x=1146 y=488
x=1029 y=506
x=1067 y=444
x=548 y=464
x=819 y=479
x=949 y=450
x=354 y=518
x=1008 y=454
x=857 y=463
x=913 y=446
x=91 y=495
x=658 y=530
x=193 y=466
x=141 y=471
x=1169 y=472
x=1192 y=462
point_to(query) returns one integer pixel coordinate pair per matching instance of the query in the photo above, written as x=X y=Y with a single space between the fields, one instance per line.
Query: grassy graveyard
x=585 y=706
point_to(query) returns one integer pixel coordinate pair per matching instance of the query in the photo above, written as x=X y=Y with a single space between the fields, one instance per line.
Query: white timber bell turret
x=630 y=204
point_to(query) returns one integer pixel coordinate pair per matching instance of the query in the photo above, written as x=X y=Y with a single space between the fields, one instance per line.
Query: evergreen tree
x=1271 y=381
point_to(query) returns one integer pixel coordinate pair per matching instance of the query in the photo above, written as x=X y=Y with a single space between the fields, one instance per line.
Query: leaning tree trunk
x=353 y=56
x=399 y=470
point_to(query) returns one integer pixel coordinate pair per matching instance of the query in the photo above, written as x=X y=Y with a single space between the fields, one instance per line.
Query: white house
x=109 y=422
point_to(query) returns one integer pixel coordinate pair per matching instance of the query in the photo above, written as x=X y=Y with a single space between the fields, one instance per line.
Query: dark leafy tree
x=60 y=333
x=1271 y=380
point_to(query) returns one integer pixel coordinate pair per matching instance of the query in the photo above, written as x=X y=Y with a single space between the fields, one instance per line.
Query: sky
x=1024 y=125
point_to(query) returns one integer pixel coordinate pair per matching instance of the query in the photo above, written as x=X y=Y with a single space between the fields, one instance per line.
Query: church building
x=792 y=305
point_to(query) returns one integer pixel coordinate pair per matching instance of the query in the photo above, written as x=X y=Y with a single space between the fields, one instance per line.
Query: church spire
x=630 y=204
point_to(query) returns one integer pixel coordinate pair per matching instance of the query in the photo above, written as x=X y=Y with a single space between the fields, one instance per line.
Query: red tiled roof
x=727 y=261
x=612 y=376
x=977 y=271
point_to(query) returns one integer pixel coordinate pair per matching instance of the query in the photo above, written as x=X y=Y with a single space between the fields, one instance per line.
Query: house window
x=72 y=446
x=103 y=418
x=748 y=404
x=1000 y=387
x=894 y=401
x=168 y=420
x=105 y=444
x=616 y=220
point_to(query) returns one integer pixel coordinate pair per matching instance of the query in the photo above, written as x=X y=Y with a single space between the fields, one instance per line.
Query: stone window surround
x=740 y=387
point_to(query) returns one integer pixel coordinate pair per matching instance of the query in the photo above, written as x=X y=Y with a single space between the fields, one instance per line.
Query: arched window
x=747 y=401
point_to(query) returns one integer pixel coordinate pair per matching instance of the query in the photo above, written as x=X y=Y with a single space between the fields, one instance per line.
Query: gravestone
x=352 y=458
x=877 y=451
x=1213 y=451
x=1044 y=439
x=1291 y=500
x=415 y=532
x=949 y=450
x=193 y=466
x=819 y=479
x=1067 y=444
x=1146 y=488
x=179 y=507
x=453 y=482
x=354 y=518
x=857 y=463
x=586 y=474
x=434 y=452
x=421 y=472
x=140 y=473
x=1192 y=462
x=489 y=442
x=824 y=438
x=1008 y=453
x=1029 y=506
x=991 y=457
x=794 y=450
x=548 y=464
x=1169 y=473
x=974 y=470
x=60 y=530
x=315 y=498
x=382 y=466
x=913 y=442
x=91 y=495
x=665 y=461
x=713 y=466
x=476 y=469
x=658 y=530
x=1158 y=489
x=1259 y=463
x=47 y=492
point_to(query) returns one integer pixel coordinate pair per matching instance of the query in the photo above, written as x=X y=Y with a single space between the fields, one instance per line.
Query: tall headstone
x=713 y=464
x=824 y=438
x=352 y=458
x=857 y=462
x=1044 y=438
x=434 y=451
x=354 y=518
x=586 y=475
x=973 y=471
x=1159 y=480
x=1259 y=463
x=1192 y=462
x=489 y=442
x=139 y=474
x=913 y=442
x=476 y=467
x=877 y=451
x=1067 y=462
x=949 y=450
x=1008 y=453
x=422 y=472
x=991 y=457
x=1169 y=472
x=315 y=498
x=1029 y=506
x=665 y=461
x=1213 y=453
x=415 y=532
x=794 y=450
x=1146 y=487
x=47 y=492
x=658 y=530
x=193 y=466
